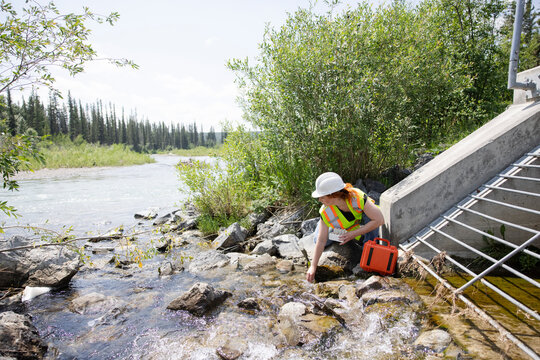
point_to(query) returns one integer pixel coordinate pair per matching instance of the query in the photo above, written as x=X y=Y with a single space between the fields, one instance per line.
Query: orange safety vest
x=334 y=218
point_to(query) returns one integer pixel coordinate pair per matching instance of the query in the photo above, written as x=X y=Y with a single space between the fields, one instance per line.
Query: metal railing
x=511 y=184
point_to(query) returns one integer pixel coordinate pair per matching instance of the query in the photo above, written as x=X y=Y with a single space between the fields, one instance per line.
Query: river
x=97 y=200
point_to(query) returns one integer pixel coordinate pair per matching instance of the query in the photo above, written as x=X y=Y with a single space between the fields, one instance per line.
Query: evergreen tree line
x=100 y=124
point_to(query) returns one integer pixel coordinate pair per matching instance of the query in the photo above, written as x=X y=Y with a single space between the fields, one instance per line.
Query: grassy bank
x=197 y=151
x=63 y=153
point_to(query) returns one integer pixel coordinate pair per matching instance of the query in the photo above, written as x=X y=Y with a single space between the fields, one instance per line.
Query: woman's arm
x=319 y=248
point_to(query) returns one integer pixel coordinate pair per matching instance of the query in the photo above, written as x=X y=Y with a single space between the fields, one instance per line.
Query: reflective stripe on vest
x=356 y=205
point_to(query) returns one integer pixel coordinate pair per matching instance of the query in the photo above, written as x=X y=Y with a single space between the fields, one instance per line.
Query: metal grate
x=510 y=200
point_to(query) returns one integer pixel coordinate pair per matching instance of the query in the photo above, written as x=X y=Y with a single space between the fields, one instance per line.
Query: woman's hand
x=345 y=238
x=310 y=275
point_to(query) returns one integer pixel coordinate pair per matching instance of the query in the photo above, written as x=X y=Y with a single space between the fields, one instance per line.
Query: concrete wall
x=430 y=191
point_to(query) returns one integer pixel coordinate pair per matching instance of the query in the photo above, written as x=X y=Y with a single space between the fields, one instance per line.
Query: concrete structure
x=419 y=199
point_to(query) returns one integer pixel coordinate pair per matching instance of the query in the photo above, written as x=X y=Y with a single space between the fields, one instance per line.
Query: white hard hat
x=327 y=183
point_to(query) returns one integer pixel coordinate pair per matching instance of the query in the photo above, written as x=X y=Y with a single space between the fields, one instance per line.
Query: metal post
x=514 y=53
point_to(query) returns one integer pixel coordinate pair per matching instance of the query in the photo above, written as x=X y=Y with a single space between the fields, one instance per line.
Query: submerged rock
x=19 y=338
x=95 y=303
x=436 y=340
x=199 y=300
x=50 y=266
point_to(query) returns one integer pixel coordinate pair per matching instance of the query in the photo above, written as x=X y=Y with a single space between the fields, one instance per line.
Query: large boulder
x=19 y=338
x=199 y=300
x=230 y=239
x=44 y=266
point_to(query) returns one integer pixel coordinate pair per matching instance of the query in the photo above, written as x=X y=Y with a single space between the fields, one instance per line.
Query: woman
x=341 y=214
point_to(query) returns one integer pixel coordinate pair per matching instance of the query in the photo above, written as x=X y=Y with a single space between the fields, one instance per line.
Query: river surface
x=97 y=200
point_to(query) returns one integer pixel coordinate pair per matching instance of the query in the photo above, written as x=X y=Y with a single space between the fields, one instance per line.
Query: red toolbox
x=379 y=258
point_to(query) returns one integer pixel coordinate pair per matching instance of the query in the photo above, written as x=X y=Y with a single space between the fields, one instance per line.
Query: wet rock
x=208 y=260
x=435 y=340
x=167 y=243
x=227 y=353
x=329 y=272
x=239 y=259
x=95 y=303
x=170 y=268
x=379 y=289
x=51 y=266
x=200 y=299
x=298 y=328
x=147 y=214
x=230 y=239
x=260 y=263
x=345 y=256
x=265 y=247
x=285 y=266
x=293 y=310
x=19 y=337
x=249 y=304
x=287 y=246
x=309 y=226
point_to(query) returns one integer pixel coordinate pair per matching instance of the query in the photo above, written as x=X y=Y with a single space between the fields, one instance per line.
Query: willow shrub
x=357 y=92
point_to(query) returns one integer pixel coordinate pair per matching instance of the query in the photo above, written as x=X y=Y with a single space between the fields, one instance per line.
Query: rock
x=359 y=184
x=375 y=186
x=265 y=247
x=186 y=217
x=169 y=268
x=249 y=304
x=378 y=289
x=227 y=353
x=208 y=260
x=167 y=219
x=285 y=266
x=309 y=226
x=19 y=337
x=260 y=263
x=436 y=340
x=395 y=174
x=344 y=256
x=239 y=259
x=50 y=266
x=293 y=310
x=287 y=246
x=286 y=222
x=95 y=303
x=200 y=299
x=254 y=220
x=299 y=328
x=230 y=239
x=147 y=214
x=422 y=160
x=31 y=292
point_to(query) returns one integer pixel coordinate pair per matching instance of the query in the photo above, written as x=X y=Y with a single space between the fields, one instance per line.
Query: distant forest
x=100 y=124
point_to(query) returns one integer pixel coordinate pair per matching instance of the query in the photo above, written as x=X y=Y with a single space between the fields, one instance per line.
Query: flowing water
x=136 y=323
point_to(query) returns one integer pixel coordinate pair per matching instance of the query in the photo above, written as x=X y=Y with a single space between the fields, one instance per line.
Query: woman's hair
x=345 y=193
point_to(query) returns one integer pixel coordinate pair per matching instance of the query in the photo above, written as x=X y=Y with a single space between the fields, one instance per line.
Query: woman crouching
x=341 y=216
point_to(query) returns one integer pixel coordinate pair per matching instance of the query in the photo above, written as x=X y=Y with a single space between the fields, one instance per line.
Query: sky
x=181 y=47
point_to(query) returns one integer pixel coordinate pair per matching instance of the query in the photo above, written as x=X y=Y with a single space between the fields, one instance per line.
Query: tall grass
x=197 y=151
x=63 y=153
